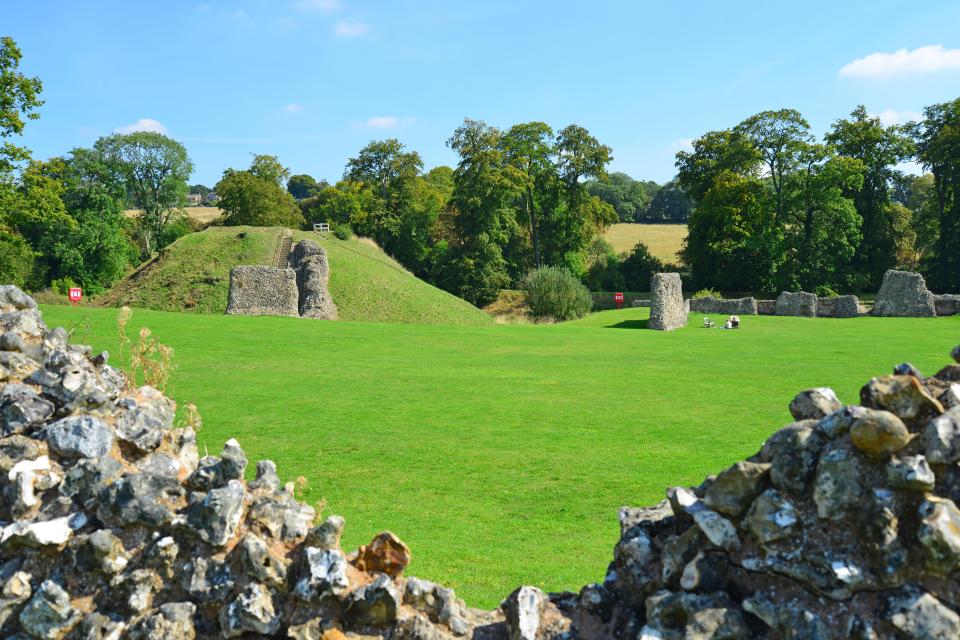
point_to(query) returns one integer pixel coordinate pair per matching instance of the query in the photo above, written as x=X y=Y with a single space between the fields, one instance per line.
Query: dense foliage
x=554 y=292
x=256 y=196
x=776 y=209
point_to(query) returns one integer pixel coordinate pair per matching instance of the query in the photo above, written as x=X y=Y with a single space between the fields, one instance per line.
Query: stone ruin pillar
x=668 y=311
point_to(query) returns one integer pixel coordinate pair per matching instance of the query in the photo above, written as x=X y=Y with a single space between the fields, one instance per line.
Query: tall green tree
x=937 y=138
x=302 y=186
x=629 y=197
x=19 y=101
x=485 y=220
x=155 y=170
x=879 y=149
x=256 y=196
x=528 y=152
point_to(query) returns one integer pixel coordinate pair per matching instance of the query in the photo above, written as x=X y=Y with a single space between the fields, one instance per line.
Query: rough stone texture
x=313 y=273
x=838 y=307
x=904 y=294
x=726 y=306
x=263 y=291
x=796 y=303
x=843 y=526
x=947 y=304
x=668 y=311
x=766 y=307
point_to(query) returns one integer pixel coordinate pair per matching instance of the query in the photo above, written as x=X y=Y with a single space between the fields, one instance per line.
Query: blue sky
x=312 y=81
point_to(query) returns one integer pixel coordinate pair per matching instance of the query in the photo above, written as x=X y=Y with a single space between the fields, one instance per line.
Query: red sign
x=618 y=298
x=76 y=294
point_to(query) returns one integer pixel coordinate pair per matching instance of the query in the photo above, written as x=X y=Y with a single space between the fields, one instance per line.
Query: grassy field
x=663 y=240
x=200 y=214
x=501 y=453
x=193 y=274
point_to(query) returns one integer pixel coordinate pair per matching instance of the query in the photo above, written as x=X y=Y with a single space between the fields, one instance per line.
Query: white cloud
x=387 y=122
x=317 y=5
x=891 y=116
x=143 y=124
x=351 y=29
x=293 y=107
x=682 y=144
x=927 y=59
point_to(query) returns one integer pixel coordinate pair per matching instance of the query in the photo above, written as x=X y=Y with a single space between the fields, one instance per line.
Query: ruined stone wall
x=299 y=289
x=844 y=525
x=727 y=306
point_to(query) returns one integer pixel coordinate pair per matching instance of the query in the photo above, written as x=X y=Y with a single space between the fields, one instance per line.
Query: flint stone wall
x=904 y=294
x=726 y=306
x=843 y=526
x=947 y=304
x=309 y=261
x=838 y=307
x=262 y=291
x=796 y=303
x=668 y=309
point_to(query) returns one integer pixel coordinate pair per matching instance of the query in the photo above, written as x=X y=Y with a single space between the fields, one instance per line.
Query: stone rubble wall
x=796 y=303
x=298 y=290
x=726 y=306
x=838 y=307
x=668 y=309
x=947 y=304
x=843 y=526
x=904 y=294
x=262 y=291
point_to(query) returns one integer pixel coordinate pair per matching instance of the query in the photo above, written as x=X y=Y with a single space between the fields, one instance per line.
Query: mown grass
x=663 y=240
x=501 y=453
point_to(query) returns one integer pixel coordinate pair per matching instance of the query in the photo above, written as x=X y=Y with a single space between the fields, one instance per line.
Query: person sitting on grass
x=733 y=322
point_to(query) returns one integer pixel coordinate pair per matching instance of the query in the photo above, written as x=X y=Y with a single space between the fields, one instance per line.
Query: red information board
x=618 y=298
x=76 y=294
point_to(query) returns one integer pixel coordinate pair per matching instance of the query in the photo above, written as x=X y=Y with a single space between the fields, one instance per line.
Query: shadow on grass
x=628 y=324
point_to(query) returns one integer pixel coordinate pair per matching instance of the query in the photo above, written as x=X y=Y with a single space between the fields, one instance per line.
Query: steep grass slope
x=193 y=275
x=501 y=453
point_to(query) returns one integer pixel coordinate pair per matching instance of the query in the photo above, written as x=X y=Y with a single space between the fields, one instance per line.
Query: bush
x=825 y=291
x=342 y=231
x=556 y=293
x=706 y=293
x=63 y=285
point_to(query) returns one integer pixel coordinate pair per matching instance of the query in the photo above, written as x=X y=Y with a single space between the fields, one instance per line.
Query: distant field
x=501 y=454
x=200 y=214
x=663 y=240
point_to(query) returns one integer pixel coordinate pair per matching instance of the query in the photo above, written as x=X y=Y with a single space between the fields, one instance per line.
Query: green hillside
x=193 y=275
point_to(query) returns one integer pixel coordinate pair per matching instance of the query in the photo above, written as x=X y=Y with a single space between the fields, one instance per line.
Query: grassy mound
x=502 y=453
x=193 y=275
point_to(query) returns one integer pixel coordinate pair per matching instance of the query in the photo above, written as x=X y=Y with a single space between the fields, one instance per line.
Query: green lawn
x=501 y=453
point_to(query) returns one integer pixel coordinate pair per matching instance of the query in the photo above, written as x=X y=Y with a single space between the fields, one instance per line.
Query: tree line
x=768 y=206
x=774 y=208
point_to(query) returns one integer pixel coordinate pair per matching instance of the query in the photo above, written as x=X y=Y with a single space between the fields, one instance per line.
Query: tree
x=18 y=100
x=155 y=169
x=388 y=171
x=669 y=205
x=528 y=152
x=256 y=196
x=627 y=196
x=879 y=149
x=937 y=139
x=485 y=221
x=302 y=186
x=200 y=190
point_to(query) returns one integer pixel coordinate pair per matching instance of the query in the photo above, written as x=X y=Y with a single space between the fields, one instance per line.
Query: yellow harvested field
x=663 y=240
x=200 y=214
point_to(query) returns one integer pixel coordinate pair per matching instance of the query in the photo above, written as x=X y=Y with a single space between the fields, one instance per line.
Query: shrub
x=556 y=293
x=63 y=285
x=342 y=231
x=825 y=291
x=706 y=293
x=638 y=266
